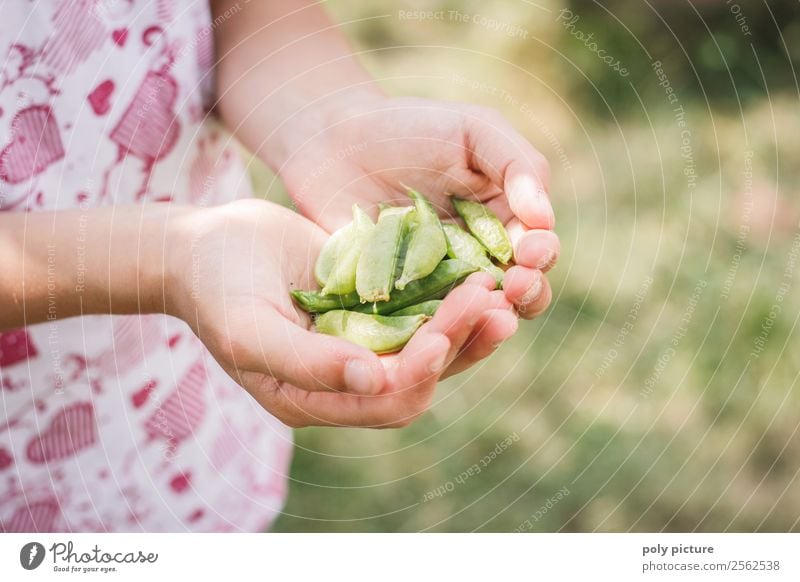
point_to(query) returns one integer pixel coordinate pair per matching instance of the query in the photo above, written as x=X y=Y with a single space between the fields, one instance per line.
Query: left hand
x=360 y=149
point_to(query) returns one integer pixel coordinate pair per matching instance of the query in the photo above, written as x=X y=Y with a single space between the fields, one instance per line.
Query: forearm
x=108 y=260
x=277 y=59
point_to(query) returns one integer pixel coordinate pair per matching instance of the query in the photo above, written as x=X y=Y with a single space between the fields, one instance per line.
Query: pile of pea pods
x=381 y=281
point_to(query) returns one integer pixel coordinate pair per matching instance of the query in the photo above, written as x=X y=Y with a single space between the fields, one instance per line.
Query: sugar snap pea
x=466 y=247
x=342 y=277
x=486 y=227
x=316 y=302
x=425 y=308
x=402 y=251
x=329 y=253
x=445 y=276
x=427 y=244
x=376 y=265
x=381 y=334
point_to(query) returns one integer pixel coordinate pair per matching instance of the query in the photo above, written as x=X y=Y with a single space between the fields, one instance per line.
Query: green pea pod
x=330 y=253
x=377 y=264
x=427 y=244
x=381 y=334
x=486 y=227
x=466 y=247
x=445 y=276
x=425 y=308
x=316 y=302
x=402 y=251
x=342 y=278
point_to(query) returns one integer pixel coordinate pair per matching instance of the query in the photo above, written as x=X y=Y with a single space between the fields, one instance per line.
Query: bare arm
x=80 y=262
x=275 y=58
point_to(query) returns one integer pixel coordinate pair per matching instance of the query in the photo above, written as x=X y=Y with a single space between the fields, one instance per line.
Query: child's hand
x=361 y=149
x=237 y=264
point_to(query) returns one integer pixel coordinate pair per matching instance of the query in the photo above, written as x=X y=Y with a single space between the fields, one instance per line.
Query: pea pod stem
x=316 y=302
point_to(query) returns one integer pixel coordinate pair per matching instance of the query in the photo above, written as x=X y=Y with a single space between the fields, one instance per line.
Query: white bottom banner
x=401 y=557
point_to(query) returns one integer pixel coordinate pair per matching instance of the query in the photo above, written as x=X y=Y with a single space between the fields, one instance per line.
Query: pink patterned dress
x=121 y=423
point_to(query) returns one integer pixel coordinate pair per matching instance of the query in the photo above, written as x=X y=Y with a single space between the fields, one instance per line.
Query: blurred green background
x=660 y=390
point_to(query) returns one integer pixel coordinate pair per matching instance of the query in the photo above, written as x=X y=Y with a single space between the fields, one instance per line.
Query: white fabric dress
x=121 y=423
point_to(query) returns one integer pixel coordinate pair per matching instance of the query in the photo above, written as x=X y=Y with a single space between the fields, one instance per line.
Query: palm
x=366 y=157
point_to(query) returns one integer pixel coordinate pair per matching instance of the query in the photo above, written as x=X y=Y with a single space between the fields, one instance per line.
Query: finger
x=536 y=248
x=523 y=287
x=415 y=385
x=528 y=199
x=538 y=305
x=458 y=315
x=498 y=300
x=482 y=279
x=514 y=165
x=308 y=360
x=412 y=380
x=495 y=326
x=411 y=376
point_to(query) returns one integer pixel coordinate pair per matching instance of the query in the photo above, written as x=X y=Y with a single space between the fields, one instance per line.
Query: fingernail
x=358 y=377
x=533 y=293
x=547 y=260
x=437 y=364
x=545 y=207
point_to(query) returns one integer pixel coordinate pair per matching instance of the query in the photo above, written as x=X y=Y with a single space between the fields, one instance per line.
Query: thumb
x=315 y=362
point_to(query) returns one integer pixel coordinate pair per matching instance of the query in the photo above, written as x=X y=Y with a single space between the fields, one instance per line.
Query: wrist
x=308 y=120
x=168 y=272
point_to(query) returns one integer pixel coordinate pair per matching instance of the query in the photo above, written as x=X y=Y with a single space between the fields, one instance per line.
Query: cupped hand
x=364 y=150
x=238 y=263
